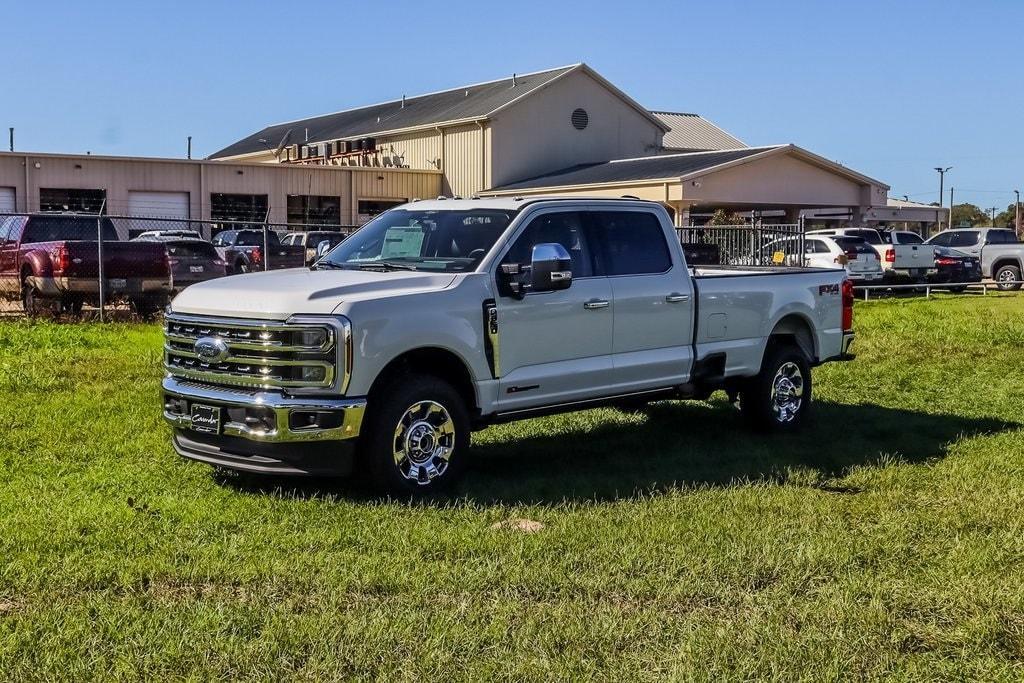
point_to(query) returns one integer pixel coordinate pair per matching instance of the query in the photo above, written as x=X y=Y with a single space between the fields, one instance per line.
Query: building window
x=238 y=208
x=71 y=200
x=368 y=208
x=304 y=209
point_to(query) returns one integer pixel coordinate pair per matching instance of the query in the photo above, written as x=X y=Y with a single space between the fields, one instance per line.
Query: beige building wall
x=536 y=136
x=118 y=176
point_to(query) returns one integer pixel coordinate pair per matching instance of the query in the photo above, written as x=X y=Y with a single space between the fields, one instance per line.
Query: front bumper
x=263 y=431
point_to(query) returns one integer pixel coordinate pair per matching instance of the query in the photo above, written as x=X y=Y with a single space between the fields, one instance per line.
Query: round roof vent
x=580 y=119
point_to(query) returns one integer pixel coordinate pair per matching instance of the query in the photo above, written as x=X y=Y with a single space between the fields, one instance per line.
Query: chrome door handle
x=595 y=304
x=676 y=298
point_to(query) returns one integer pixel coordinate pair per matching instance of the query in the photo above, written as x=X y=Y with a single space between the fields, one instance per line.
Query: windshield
x=449 y=241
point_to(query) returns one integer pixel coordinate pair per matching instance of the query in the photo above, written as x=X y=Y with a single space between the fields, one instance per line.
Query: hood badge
x=211 y=349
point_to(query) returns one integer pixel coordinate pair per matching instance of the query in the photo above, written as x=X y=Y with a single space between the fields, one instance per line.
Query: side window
x=629 y=243
x=5 y=228
x=942 y=239
x=562 y=228
x=964 y=238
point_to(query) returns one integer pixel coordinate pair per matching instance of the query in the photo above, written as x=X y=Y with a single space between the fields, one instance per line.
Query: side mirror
x=550 y=268
x=322 y=248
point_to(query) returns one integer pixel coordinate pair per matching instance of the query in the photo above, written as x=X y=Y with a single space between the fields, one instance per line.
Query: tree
x=723 y=217
x=969 y=215
x=1006 y=218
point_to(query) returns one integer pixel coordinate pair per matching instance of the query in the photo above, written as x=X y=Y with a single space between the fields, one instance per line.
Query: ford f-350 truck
x=438 y=318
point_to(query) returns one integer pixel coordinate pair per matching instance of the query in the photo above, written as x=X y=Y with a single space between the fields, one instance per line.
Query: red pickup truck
x=51 y=263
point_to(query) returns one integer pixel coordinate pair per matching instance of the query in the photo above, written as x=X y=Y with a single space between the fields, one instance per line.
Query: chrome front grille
x=300 y=354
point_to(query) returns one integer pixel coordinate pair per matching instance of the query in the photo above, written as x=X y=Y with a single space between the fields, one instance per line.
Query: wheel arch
x=1006 y=261
x=431 y=360
x=798 y=330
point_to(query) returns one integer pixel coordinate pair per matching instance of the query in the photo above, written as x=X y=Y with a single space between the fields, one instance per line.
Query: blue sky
x=891 y=89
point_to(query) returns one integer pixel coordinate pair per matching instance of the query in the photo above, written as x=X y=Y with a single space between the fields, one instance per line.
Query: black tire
x=34 y=305
x=1008 y=273
x=241 y=267
x=758 y=396
x=380 y=447
x=72 y=305
x=146 y=307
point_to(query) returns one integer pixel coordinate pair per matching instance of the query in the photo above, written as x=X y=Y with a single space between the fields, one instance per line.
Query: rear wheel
x=1007 y=278
x=35 y=305
x=146 y=307
x=779 y=397
x=415 y=436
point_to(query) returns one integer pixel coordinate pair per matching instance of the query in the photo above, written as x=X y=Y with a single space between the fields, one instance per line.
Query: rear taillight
x=257 y=255
x=61 y=258
x=847 y=306
x=890 y=255
x=945 y=261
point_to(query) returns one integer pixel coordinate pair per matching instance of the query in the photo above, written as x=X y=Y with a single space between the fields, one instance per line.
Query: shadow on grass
x=675 y=444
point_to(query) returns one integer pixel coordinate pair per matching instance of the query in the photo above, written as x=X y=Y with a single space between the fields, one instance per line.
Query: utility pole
x=942 y=178
x=992 y=215
x=1016 y=211
x=950 y=207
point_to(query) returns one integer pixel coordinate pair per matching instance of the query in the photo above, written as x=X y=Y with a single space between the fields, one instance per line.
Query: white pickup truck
x=900 y=259
x=441 y=317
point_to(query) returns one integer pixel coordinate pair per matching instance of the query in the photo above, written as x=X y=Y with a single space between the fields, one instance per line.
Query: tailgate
x=914 y=256
x=120 y=260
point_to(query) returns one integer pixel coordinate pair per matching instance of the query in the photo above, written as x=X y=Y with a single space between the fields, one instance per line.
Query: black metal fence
x=744 y=245
x=87 y=264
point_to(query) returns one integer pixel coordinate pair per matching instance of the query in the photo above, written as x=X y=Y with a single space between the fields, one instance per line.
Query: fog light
x=313 y=374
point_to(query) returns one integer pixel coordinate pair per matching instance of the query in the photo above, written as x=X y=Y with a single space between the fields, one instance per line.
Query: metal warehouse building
x=565 y=130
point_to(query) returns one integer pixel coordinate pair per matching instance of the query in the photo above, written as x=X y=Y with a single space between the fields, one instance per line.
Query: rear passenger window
x=629 y=243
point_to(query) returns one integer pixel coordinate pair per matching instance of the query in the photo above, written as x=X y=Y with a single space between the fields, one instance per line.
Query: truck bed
x=738 y=305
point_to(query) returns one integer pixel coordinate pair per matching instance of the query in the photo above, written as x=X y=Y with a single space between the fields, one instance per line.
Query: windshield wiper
x=385 y=265
x=330 y=265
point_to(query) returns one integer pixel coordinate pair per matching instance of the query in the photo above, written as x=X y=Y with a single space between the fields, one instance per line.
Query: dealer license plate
x=195 y=269
x=117 y=283
x=206 y=418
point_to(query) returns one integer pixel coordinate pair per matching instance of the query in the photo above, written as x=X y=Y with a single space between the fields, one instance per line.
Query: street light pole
x=942 y=178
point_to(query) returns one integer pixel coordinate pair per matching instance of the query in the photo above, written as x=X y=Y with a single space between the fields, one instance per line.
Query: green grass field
x=887 y=540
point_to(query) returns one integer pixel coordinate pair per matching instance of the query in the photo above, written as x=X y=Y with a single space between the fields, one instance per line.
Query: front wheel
x=1007 y=278
x=415 y=437
x=779 y=397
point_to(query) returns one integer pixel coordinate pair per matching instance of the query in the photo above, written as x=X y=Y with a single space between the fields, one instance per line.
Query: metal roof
x=693 y=133
x=466 y=102
x=643 y=168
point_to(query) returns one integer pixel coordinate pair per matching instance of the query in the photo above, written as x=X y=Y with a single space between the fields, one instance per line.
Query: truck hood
x=280 y=294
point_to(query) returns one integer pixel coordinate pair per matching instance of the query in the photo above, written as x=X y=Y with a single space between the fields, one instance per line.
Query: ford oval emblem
x=211 y=349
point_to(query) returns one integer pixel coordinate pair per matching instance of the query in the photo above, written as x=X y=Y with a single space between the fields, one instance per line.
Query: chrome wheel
x=424 y=441
x=787 y=392
x=1005 y=276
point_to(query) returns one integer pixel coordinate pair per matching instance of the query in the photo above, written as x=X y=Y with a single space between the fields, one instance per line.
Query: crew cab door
x=652 y=333
x=553 y=347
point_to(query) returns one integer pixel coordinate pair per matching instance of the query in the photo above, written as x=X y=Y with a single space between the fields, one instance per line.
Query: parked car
x=189 y=260
x=955 y=266
x=52 y=263
x=902 y=237
x=905 y=260
x=194 y=234
x=1000 y=251
x=441 y=317
x=852 y=254
x=243 y=251
x=311 y=241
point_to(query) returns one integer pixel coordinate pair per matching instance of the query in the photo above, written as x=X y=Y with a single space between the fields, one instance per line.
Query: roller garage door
x=7 y=200
x=146 y=207
x=158 y=204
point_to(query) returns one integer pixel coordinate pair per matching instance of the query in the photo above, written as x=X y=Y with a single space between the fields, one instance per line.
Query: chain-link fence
x=744 y=245
x=94 y=265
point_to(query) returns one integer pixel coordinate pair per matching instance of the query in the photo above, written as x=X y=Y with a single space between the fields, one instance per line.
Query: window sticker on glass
x=402 y=242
